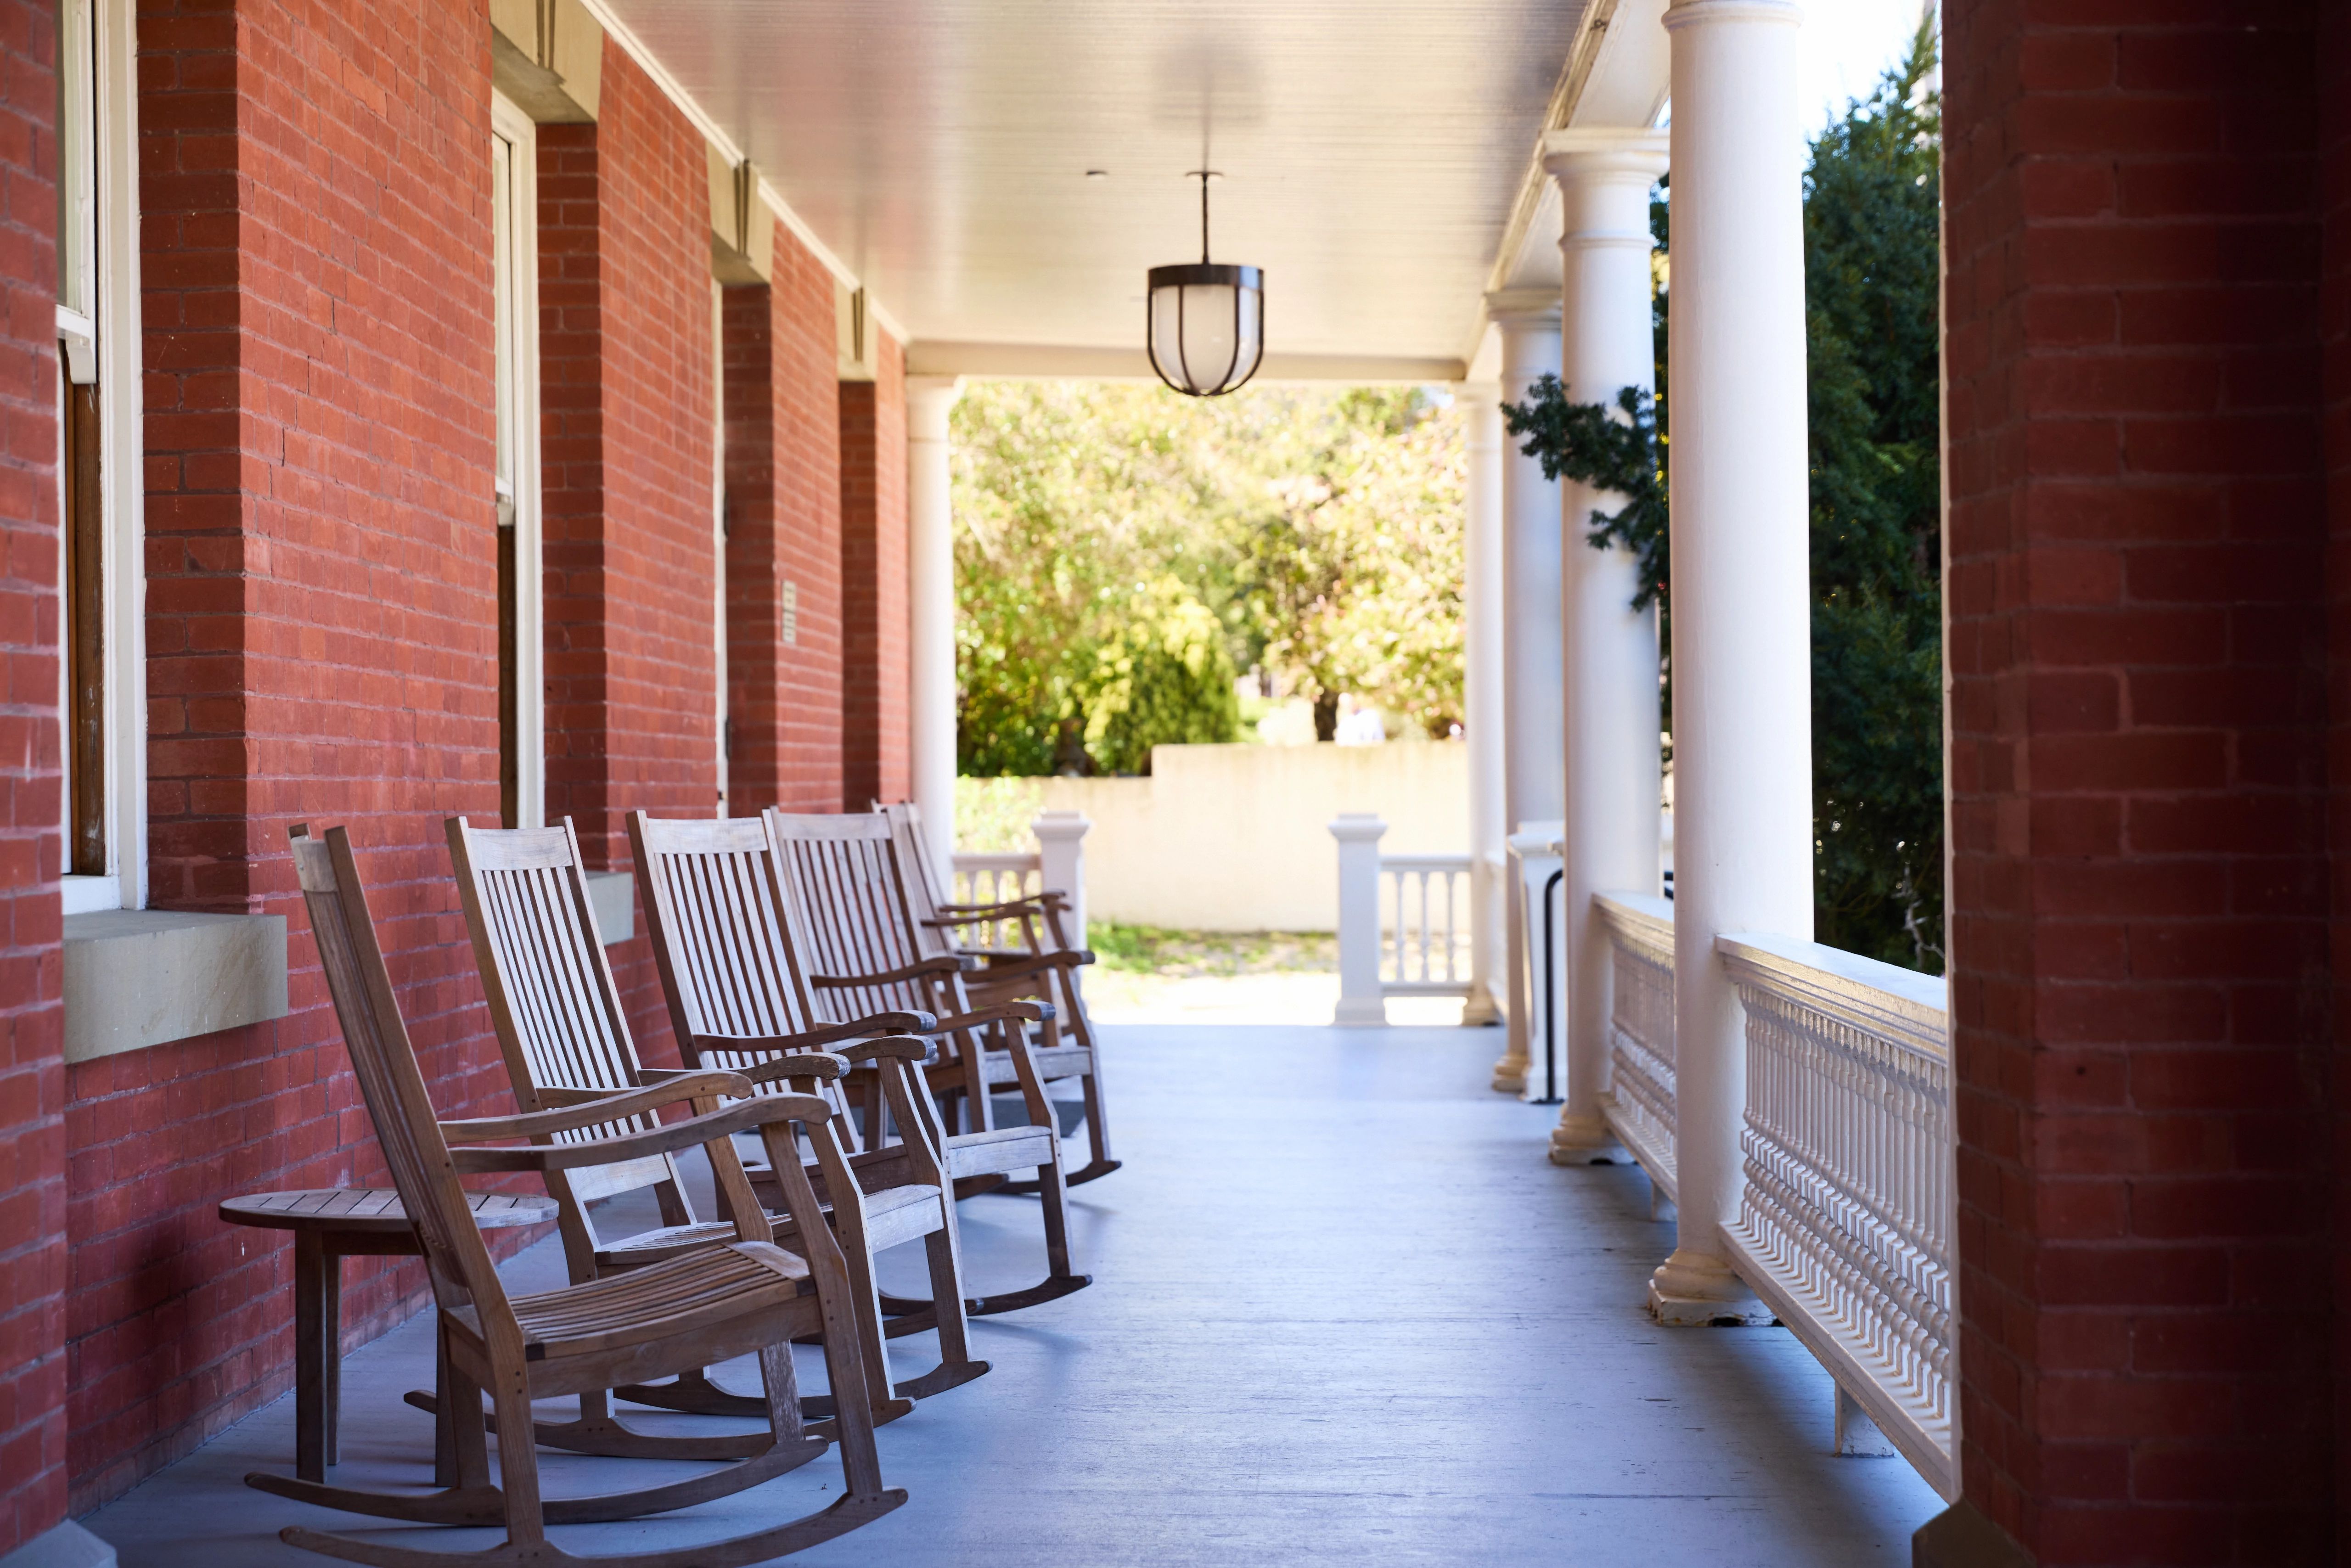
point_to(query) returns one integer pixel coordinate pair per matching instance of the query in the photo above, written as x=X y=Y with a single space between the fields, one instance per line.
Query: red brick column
x=2138 y=640
x=875 y=742
x=784 y=486
x=32 y=1067
x=630 y=546
x=2335 y=330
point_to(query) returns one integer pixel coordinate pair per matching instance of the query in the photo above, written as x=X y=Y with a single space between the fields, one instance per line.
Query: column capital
x=1523 y=307
x=1479 y=394
x=929 y=401
x=1697 y=13
x=1606 y=152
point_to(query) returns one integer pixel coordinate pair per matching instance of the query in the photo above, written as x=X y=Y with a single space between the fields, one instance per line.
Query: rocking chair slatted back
x=383 y=1058
x=850 y=906
x=552 y=996
x=717 y=910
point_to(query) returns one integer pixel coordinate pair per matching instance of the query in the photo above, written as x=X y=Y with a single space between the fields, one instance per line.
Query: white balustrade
x=994 y=879
x=1844 y=1225
x=1638 y=1105
x=1425 y=924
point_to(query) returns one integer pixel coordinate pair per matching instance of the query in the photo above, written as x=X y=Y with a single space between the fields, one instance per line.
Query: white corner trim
x=732 y=150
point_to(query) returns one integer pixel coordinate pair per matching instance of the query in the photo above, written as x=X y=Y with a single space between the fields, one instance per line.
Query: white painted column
x=1481 y=703
x=1741 y=622
x=1062 y=864
x=1612 y=786
x=1529 y=323
x=930 y=580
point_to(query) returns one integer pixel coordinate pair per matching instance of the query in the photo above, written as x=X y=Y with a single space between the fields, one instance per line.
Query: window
x=514 y=224
x=102 y=687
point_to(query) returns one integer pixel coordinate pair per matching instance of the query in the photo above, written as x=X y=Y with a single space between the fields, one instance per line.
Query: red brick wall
x=2137 y=637
x=784 y=496
x=626 y=373
x=321 y=607
x=31 y=1071
x=877 y=748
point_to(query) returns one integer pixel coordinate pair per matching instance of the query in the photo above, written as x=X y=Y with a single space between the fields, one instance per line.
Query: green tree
x=1120 y=552
x=1872 y=329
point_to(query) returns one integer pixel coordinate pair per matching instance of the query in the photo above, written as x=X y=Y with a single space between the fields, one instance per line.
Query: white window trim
x=116 y=342
x=718 y=521
x=511 y=124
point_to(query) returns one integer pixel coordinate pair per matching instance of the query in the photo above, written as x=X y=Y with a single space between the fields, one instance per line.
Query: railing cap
x=1357 y=828
x=1833 y=975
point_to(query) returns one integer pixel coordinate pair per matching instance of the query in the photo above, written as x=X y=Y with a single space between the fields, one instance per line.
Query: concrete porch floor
x=1343 y=1313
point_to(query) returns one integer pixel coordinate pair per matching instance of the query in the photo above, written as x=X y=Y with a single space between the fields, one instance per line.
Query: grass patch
x=1154 y=950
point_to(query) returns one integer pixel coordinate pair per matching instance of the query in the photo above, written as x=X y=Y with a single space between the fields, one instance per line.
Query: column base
x=1361 y=1013
x=1962 y=1537
x=1584 y=1141
x=1692 y=1290
x=1511 y=1074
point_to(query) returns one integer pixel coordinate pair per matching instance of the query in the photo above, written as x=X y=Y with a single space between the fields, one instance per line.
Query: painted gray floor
x=1344 y=1314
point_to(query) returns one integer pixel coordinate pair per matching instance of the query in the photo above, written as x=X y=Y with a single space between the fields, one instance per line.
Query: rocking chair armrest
x=1020 y=964
x=822 y=1065
x=591 y=1110
x=905 y=1047
x=954 y=914
x=938 y=964
x=870 y=1024
x=1004 y=1013
x=710 y=1127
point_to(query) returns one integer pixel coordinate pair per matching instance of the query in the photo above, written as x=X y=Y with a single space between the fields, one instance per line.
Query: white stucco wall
x=1233 y=838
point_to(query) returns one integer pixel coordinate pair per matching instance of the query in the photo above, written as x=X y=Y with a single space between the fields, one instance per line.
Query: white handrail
x=1844 y=1227
x=1638 y=1105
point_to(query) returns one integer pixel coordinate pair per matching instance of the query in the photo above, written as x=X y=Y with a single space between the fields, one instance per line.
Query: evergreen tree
x=1872 y=330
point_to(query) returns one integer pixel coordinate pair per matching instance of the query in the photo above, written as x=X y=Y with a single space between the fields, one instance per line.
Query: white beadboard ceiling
x=1375 y=154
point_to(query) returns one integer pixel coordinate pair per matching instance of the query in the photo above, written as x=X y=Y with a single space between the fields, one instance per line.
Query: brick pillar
x=32 y=1023
x=874 y=736
x=2335 y=330
x=2137 y=634
x=625 y=394
x=784 y=489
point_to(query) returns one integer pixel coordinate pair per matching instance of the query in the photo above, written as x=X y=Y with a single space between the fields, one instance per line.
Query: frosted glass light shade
x=1207 y=326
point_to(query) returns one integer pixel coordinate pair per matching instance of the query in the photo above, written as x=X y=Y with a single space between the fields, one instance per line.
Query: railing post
x=1061 y=863
x=1360 y=1001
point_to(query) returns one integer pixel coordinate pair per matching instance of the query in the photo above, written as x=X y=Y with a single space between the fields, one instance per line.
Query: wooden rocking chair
x=696 y=1307
x=1043 y=967
x=566 y=1040
x=719 y=913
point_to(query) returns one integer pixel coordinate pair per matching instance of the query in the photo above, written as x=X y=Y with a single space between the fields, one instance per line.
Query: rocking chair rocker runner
x=1044 y=967
x=718 y=912
x=566 y=1040
x=693 y=1308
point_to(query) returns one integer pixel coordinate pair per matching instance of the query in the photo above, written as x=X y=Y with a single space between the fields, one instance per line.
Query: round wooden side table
x=329 y=1225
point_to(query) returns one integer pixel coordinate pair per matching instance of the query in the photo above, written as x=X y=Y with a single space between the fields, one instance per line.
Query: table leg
x=445 y=1430
x=330 y=1323
x=310 y=1355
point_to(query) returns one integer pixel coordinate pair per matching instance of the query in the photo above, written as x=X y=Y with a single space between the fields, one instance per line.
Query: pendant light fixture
x=1206 y=322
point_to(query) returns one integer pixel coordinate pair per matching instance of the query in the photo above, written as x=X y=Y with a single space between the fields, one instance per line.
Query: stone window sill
x=137 y=977
x=614 y=896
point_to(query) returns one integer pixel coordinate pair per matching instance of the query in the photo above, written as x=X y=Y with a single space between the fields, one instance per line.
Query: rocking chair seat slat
x=662 y=1301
